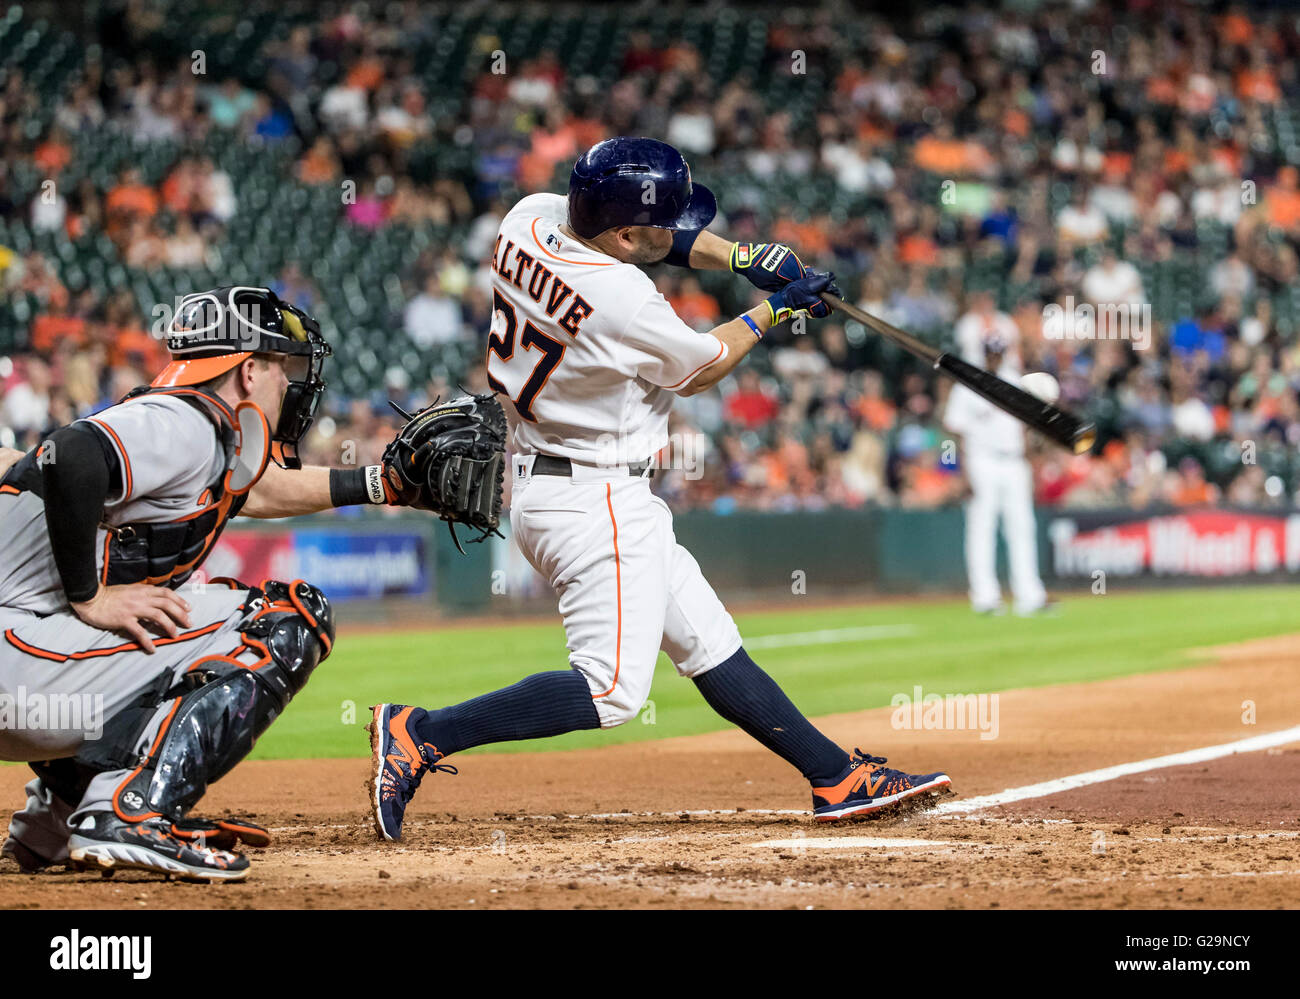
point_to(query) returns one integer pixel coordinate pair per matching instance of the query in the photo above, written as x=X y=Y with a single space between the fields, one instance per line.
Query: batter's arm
x=711 y=252
x=740 y=340
x=741 y=333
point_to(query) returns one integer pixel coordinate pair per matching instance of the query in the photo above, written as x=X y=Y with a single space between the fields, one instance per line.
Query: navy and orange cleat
x=399 y=761
x=868 y=789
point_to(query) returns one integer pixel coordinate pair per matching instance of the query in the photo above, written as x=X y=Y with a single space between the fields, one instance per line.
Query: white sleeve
x=664 y=350
x=548 y=206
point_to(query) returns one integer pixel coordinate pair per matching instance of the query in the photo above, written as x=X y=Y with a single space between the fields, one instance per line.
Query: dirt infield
x=715 y=821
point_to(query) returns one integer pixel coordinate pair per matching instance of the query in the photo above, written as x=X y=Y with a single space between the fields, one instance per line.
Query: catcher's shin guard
x=222 y=705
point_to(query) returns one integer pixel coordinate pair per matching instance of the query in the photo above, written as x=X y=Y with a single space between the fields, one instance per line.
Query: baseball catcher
x=99 y=527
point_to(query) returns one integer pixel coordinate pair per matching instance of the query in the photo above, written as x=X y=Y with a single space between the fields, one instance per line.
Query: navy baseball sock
x=537 y=706
x=747 y=697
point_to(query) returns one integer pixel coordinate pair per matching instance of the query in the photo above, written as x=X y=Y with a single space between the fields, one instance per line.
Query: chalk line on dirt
x=852 y=843
x=1254 y=744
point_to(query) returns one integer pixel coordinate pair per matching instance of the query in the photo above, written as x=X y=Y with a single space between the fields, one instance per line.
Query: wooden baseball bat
x=1057 y=425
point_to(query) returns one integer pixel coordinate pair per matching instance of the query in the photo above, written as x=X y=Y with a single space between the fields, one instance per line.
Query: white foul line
x=1253 y=744
x=854 y=843
x=831 y=636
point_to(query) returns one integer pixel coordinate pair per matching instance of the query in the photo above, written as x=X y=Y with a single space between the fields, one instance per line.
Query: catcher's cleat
x=221 y=834
x=399 y=761
x=105 y=842
x=868 y=789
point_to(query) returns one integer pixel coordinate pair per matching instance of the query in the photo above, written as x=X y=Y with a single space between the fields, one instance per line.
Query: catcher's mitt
x=450 y=458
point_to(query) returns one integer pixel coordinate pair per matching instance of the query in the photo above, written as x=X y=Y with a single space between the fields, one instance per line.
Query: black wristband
x=353 y=486
x=348 y=486
x=683 y=240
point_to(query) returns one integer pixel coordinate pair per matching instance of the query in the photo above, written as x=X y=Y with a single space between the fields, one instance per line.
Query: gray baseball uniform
x=61 y=680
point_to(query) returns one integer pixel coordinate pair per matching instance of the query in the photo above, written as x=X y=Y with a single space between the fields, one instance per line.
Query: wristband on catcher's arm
x=355 y=486
x=683 y=241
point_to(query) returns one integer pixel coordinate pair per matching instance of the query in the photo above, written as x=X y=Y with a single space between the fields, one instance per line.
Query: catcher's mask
x=214 y=331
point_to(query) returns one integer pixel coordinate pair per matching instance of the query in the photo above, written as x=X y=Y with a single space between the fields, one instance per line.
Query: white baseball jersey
x=585 y=347
x=589 y=353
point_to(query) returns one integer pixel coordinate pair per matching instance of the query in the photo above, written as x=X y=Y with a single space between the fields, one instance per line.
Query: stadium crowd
x=1006 y=169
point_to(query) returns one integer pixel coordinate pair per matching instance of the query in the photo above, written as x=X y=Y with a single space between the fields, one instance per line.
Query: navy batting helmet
x=636 y=181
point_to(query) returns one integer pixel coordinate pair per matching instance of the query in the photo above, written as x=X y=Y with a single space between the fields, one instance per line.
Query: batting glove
x=770 y=266
x=802 y=297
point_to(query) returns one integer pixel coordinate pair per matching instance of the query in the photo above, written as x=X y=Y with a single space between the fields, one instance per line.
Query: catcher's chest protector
x=167 y=553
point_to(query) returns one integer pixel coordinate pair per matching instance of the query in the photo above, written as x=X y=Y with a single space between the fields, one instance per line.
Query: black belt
x=545 y=464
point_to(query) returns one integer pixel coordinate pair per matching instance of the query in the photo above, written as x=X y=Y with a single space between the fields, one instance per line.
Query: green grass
x=950 y=651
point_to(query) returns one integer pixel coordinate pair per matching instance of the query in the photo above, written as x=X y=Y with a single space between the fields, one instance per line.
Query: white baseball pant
x=626 y=588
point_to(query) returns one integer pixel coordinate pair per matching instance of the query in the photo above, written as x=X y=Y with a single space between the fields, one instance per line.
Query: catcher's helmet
x=636 y=181
x=214 y=331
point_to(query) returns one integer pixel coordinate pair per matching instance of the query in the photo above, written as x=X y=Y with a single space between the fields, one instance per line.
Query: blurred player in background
x=1002 y=488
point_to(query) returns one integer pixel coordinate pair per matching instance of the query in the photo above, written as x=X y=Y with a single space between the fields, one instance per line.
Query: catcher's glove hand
x=450 y=458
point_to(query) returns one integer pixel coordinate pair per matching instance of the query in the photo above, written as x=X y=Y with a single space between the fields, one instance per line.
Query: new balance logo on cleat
x=868 y=789
x=399 y=761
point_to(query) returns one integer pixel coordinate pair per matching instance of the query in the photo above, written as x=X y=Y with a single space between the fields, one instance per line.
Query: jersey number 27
x=532 y=338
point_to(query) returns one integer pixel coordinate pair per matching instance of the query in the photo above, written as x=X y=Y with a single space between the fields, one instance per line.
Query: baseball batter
x=1002 y=489
x=127 y=694
x=590 y=357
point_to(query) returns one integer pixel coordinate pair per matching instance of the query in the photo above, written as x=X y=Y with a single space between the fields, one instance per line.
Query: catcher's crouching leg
x=210 y=720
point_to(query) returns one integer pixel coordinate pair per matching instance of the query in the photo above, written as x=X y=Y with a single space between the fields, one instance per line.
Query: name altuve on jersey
x=541 y=283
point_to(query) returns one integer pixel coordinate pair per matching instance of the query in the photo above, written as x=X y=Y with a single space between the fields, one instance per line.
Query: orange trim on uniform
x=162 y=730
x=59 y=657
x=197 y=370
x=10 y=490
x=208 y=540
x=212 y=399
x=215 y=659
x=126 y=459
x=108 y=538
x=564 y=260
x=618 y=594
x=311 y=619
x=722 y=348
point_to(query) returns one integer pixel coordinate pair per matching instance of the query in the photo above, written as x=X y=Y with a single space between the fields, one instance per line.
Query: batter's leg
x=601 y=547
x=702 y=640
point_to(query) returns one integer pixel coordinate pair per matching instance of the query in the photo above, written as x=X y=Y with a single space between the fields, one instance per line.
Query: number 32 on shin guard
x=531 y=340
